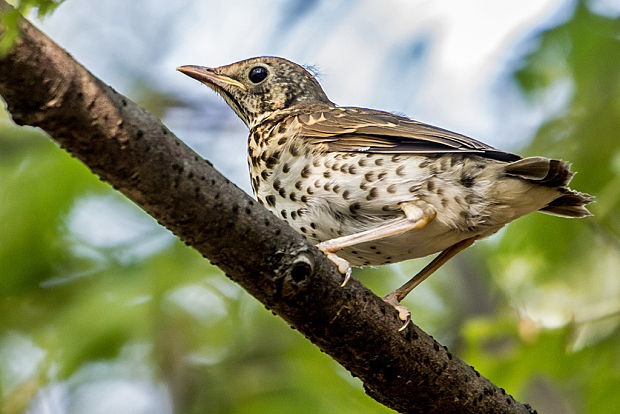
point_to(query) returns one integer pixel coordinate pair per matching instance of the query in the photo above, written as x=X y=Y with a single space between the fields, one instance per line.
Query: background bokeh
x=102 y=310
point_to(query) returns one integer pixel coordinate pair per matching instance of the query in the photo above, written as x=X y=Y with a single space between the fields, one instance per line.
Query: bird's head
x=256 y=88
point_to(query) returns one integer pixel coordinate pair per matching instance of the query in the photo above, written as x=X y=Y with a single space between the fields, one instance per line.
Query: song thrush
x=371 y=187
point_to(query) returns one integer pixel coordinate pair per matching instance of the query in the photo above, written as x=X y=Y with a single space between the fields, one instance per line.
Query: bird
x=370 y=187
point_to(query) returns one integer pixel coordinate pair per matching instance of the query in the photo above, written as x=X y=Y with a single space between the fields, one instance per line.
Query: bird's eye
x=258 y=73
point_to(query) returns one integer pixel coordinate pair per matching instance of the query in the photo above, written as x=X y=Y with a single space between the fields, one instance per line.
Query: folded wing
x=367 y=130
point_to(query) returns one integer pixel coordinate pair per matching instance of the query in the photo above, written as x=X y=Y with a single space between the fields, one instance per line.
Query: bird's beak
x=209 y=77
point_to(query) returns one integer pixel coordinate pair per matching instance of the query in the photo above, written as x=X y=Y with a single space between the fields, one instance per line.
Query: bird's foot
x=403 y=313
x=343 y=266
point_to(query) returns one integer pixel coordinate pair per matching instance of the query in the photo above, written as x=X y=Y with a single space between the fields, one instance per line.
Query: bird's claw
x=406 y=318
x=343 y=266
x=404 y=314
x=347 y=276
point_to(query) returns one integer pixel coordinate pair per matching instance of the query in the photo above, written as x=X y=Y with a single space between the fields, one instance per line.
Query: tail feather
x=555 y=174
x=570 y=204
x=542 y=171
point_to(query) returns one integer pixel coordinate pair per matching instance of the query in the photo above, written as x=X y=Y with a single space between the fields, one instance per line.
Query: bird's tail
x=555 y=174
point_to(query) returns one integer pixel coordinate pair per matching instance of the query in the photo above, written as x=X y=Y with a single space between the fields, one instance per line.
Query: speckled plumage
x=375 y=187
x=325 y=195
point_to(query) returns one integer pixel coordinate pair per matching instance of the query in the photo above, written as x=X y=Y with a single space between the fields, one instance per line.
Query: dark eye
x=258 y=73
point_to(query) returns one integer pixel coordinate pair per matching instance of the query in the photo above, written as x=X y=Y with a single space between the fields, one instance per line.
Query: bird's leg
x=417 y=215
x=399 y=294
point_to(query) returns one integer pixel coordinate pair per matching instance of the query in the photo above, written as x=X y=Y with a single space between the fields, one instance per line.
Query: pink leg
x=417 y=215
x=399 y=294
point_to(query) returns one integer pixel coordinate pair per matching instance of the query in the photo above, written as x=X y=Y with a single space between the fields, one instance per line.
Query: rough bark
x=128 y=147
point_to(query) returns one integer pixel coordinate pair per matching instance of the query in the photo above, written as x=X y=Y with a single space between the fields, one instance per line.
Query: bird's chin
x=231 y=101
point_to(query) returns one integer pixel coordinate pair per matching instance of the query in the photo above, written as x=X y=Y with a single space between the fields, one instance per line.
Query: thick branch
x=128 y=147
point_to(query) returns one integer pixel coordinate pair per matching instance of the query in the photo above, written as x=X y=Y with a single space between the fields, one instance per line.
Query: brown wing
x=367 y=130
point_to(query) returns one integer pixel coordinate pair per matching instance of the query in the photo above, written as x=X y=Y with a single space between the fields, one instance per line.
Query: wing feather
x=366 y=130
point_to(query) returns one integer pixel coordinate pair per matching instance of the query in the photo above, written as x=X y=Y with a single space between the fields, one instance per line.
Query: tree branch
x=128 y=147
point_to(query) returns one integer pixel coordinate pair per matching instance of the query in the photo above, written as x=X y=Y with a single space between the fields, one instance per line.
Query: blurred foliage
x=535 y=309
x=9 y=19
x=564 y=273
x=42 y=7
